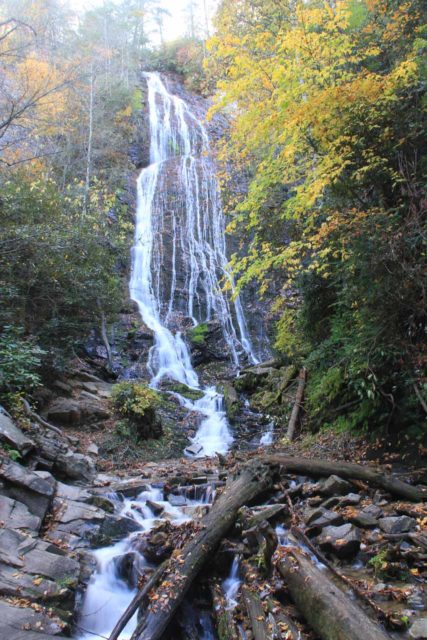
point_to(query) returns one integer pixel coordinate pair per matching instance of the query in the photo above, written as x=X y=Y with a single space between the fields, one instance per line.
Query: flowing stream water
x=179 y=263
x=109 y=592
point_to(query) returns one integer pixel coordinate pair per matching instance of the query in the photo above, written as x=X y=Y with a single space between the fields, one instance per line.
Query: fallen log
x=329 y=611
x=186 y=563
x=382 y=615
x=293 y=421
x=318 y=468
x=260 y=628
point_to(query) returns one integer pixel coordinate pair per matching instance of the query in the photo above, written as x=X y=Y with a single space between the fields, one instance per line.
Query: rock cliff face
x=131 y=341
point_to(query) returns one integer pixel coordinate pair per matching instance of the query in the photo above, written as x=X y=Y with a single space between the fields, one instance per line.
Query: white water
x=179 y=256
x=232 y=584
x=107 y=595
x=267 y=437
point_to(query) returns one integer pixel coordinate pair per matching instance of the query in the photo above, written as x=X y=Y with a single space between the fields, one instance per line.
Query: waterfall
x=179 y=262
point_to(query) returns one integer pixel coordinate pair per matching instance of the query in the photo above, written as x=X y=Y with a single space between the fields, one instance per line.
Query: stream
x=112 y=588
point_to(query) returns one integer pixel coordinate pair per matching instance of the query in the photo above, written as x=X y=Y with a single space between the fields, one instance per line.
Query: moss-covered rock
x=185 y=391
x=231 y=400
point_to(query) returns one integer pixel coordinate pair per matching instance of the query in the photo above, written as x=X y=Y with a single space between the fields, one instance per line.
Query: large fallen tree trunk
x=329 y=611
x=186 y=563
x=317 y=468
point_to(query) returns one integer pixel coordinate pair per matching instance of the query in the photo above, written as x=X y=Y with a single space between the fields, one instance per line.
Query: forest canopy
x=327 y=102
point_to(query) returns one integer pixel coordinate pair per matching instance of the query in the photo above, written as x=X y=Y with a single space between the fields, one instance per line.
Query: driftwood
x=293 y=421
x=329 y=611
x=317 y=468
x=185 y=564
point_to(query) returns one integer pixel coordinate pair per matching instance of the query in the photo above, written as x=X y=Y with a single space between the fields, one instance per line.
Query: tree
x=328 y=119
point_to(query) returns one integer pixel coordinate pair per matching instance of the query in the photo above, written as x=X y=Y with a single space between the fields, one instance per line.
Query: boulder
x=26 y=486
x=72 y=412
x=397 y=524
x=115 y=528
x=156 y=546
x=13 y=436
x=418 y=630
x=207 y=343
x=364 y=520
x=322 y=518
x=16 y=515
x=75 y=466
x=334 y=485
x=176 y=501
x=19 y=623
x=125 y=568
x=343 y=541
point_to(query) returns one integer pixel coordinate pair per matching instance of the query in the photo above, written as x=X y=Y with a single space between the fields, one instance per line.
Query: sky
x=174 y=26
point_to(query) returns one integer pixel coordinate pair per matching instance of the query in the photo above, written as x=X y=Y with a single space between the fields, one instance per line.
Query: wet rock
x=176 y=501
x=418 y=630
x=397 y=524
x=117 y=527
x=125 y=568
x=13 y=436
x=156 y=547
x=156 y=508
x=343 y=541
x=322 y=518
x=334 y=485
x=207 y=343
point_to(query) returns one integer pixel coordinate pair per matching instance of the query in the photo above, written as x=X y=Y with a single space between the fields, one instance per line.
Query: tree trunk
x=350 y=471
x=329 y=611
x=297 y=406
x=186 y=563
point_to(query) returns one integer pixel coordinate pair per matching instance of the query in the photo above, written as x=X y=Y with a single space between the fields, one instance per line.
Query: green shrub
x=137 y=403
x=20 y=360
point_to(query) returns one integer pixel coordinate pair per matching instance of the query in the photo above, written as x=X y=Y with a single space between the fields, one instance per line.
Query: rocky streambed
x=76 y=546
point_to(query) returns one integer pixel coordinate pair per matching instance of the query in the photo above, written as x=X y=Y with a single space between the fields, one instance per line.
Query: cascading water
x=179 y=257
